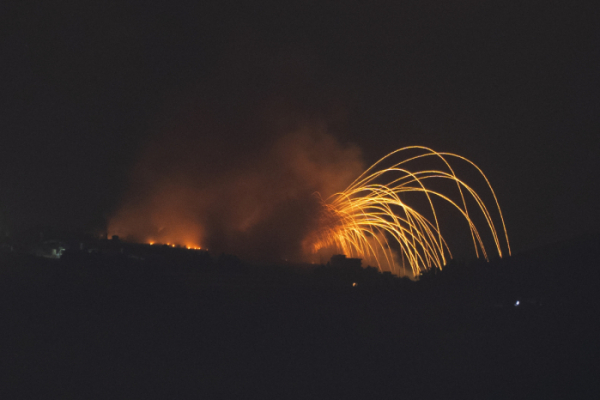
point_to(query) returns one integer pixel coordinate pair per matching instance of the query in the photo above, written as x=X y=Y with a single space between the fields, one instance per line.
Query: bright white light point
x=517 y=303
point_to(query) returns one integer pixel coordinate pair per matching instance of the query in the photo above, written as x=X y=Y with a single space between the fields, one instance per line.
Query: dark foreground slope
x=90 y=329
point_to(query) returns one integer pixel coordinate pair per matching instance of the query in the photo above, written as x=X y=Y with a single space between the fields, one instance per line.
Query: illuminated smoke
x=252 y=198
x=269 y=196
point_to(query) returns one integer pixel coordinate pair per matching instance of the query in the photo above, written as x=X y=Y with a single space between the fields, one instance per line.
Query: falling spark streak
x=370 y=219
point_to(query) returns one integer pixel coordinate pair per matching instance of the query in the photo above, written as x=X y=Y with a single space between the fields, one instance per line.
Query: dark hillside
x=89 y=328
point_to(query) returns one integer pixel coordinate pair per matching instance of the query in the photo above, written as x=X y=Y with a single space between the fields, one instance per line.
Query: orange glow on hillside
x=175 y=245
x=257 y=205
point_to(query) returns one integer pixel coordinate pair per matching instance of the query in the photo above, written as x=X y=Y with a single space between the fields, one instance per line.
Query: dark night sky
x=85 y=86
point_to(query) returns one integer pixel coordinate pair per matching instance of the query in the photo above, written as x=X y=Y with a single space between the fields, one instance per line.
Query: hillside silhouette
x=110 y=323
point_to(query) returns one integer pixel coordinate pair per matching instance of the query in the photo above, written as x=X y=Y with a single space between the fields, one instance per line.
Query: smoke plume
x=234 y=191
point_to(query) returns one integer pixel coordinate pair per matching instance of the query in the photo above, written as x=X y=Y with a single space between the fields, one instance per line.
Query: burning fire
x=189 y=247
x=253 y=202
x=259 y=205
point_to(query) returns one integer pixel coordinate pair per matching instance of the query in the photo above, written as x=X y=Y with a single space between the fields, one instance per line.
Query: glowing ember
x=188 y=247
x=370 y=219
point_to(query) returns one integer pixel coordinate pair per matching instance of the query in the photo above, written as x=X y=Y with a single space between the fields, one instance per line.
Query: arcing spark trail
x=371 y=220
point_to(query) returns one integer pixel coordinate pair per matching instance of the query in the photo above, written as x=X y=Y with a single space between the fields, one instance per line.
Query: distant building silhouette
x=49 y=249
x=340 y=260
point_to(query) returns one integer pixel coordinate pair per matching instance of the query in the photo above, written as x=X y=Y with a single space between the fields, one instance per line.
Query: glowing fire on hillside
x=258 y=205
x=264 y=206
x=174 y=245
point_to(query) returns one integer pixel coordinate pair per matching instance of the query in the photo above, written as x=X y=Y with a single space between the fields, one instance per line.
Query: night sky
x=87 y=88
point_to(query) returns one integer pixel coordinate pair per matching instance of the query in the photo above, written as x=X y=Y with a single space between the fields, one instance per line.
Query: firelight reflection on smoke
x=372 y=221
x=254 y=200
